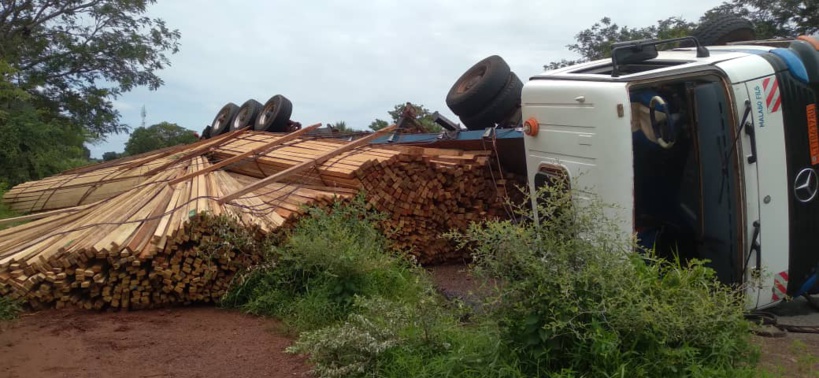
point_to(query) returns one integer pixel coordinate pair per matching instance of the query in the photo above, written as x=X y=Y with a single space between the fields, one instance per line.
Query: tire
x=247 y=115
x=206 y=133
x=478 y=86
x=274 y=115
x=221 y=123
x=501 y=107
x=810 y=39
x=809 y=57
x=723 y=29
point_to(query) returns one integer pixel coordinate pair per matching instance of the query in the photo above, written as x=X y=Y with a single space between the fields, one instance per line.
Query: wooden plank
x=306 y=165
x=263 y=149
x=26 y=218
x=199 y=151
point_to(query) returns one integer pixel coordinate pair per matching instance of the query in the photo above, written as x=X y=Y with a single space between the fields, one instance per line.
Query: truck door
x=763 y=162
x=584 y=131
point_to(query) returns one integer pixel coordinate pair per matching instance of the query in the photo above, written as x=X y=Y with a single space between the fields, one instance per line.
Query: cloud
x=353 y=61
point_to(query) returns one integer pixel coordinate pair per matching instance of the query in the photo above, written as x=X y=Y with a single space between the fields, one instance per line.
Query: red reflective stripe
x=779 y=286
x=772 y=93
x=776 y=106
x=765 y=84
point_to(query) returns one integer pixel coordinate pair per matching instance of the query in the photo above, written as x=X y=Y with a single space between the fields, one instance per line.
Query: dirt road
x=180 y=342
x=210 y=342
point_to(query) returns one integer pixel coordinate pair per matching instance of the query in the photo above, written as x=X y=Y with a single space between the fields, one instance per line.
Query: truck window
x=684 y=201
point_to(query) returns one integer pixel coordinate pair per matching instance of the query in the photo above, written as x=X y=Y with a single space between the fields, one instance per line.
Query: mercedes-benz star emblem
x=806 y=185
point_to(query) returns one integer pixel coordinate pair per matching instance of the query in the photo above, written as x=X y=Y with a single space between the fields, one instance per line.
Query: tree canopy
x=74 y=56
x=62 y=62
x=422 y=116
x=34 y=143
x=161 y=135
x=777 y=18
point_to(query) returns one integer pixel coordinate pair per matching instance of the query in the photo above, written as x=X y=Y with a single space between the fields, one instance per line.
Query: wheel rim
x=473 y=79
x=240 y=119
x=267 y=113
x=220 y=119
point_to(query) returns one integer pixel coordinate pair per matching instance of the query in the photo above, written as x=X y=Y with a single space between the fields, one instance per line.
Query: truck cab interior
x=686 y=192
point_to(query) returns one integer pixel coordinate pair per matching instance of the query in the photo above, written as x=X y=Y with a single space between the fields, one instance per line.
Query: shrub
x=330 y=257
x=575 y=300
x=9 y=309
x=384 y=338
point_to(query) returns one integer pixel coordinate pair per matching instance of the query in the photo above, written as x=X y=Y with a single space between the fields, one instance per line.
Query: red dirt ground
x=179 y=342
x=210 y=342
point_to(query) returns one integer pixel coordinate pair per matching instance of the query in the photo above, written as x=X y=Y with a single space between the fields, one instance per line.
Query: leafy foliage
x=73 y=57
x=378 y=124
x=341 y=127
x=9 y=309
x=576 y=301
x=779 y=18
x=158 y=136
x=425 y=338
x=572 y=300
x=5 y=211
x=330 y=258
x=111 y=155
x=33 y=143
x=422 y=115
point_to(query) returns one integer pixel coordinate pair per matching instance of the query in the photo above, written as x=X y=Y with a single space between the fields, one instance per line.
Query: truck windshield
x=685 y=202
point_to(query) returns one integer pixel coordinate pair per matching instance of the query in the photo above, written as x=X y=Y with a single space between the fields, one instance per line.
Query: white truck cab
x=708 y=152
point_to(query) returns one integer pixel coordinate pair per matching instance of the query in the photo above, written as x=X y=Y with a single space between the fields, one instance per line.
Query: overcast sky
x=353 y=61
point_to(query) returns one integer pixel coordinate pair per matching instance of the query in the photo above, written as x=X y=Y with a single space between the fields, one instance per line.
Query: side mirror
x=634 y=51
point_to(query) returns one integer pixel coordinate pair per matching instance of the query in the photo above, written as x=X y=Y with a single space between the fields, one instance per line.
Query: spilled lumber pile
x=154 y=245
x=165 y=238
x=428 y=192
x=425 y=191
x=90 y=184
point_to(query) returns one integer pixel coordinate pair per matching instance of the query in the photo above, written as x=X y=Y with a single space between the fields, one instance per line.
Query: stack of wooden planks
x=90 y=184
x=155 y=244
x=428 y=192
x=164 y=238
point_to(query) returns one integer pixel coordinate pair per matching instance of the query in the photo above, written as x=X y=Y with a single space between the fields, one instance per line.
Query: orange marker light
x=531 y=127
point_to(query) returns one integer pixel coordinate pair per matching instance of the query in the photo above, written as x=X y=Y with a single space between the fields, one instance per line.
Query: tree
x=595 y=42
x=111 y=155
x=74 y=56
x=34 y=143
x=422 y=116
x=378 y=124
x=778 y=18
x=158 y=136
x=341 y=127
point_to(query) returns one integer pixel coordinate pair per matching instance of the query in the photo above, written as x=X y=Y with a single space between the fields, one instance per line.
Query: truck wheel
x=477 y=86
x=810 y=39
x=221 y=124
x=206 y=133
x=723 y=29
x=809 y=57
x=247 y=114
x=274 y=115
x=501 y=107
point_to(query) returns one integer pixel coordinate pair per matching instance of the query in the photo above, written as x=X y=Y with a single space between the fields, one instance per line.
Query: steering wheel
x=665 y=130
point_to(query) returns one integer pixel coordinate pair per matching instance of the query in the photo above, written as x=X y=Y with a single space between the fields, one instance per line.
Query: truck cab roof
x=667 y=63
